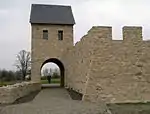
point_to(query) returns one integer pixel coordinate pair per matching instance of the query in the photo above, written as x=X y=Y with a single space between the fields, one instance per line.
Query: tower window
x=60 y=35
x=45 y=34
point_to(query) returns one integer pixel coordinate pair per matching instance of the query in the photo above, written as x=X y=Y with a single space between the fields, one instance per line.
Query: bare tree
x=23 y=62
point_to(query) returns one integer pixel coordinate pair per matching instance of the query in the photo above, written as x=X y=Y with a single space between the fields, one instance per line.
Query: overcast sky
x=15 y=28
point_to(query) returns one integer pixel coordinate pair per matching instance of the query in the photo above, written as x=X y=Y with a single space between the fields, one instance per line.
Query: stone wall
x=77 y=62
x=97 y=66
x=113 y=71
x=10 y=93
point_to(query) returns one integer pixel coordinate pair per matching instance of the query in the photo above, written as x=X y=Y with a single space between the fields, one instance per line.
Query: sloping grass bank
x=130 y=108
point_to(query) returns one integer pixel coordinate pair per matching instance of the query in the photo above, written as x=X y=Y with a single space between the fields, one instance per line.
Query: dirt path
x=55 y=101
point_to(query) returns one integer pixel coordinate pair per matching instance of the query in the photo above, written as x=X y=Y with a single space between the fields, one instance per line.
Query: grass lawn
x=53 y=81
x=7 y=83
x=130 y=108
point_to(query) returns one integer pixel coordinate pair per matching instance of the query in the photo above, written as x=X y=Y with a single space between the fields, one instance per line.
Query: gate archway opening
x=52 y=71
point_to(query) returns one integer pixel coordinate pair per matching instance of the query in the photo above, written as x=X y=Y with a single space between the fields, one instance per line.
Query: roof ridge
x=51 y=5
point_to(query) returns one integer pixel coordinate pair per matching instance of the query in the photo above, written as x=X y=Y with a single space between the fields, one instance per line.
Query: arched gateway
x=52 y=35
x=61 y=67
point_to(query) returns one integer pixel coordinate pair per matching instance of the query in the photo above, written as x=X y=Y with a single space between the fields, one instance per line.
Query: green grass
x=53 y=81
x=7 y=83
x=130 y=108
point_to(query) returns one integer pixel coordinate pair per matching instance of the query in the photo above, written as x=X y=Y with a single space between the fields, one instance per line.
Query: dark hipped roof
x=51 y=14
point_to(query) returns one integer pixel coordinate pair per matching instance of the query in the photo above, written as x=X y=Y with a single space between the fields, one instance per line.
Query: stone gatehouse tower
x=52 y=34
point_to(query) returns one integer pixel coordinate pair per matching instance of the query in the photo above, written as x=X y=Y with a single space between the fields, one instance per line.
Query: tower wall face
x=43 y=49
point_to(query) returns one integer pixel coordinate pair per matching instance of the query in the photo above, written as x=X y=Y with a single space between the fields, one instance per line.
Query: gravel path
x=55 y=101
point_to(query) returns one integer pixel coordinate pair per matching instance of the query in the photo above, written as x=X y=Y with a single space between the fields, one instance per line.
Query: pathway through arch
x=55 y=101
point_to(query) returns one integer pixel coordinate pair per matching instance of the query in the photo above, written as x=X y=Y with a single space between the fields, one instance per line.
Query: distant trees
x=54 y=73
x=23 y=63
x=47 y=72
x=6 y=76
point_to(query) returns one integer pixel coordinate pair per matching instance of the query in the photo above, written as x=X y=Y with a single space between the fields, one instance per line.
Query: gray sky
x=15 y=28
